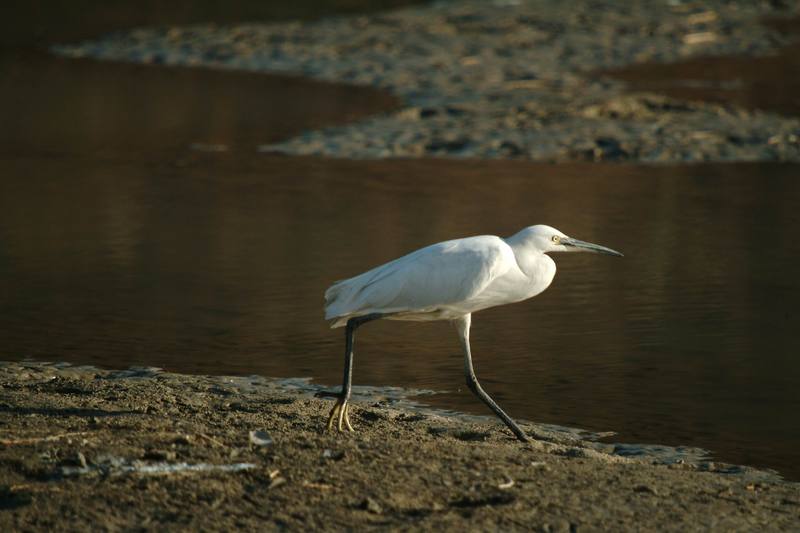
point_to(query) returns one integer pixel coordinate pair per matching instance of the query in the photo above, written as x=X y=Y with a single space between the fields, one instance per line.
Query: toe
x=334 y=411
x=342 y=412
x=347 y=418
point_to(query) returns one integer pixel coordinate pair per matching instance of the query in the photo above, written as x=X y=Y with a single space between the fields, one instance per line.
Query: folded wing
x=440 y=276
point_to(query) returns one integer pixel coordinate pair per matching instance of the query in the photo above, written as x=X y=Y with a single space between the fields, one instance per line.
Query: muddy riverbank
x=86 y=448
x=501 y=79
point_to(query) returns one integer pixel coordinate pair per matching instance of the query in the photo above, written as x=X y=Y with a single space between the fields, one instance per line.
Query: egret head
x=548 y=239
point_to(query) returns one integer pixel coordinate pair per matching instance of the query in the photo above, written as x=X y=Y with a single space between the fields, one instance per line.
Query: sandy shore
x=502 y=79
x=82 y=448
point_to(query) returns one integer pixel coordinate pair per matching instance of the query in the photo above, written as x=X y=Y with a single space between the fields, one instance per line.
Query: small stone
x=183 y=440
x=608 y=148
x=276 y=481
x=80 y=459
x=75 y=461
x=372 y=506
x=260 y=438
x=557 y=527
x=336 y=455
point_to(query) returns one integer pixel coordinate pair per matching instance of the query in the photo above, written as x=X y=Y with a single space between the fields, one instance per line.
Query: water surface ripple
x=218 y=266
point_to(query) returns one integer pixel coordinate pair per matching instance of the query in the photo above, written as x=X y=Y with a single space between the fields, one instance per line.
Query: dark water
x=121 y=245
x=219 y=266
x=43 y=22
x=127 y=111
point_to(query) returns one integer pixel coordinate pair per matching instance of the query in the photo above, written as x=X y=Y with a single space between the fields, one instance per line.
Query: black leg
x=341 y=407
x=462 y=325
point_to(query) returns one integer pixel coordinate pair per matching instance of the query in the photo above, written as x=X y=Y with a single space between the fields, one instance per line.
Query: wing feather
x=438 y=276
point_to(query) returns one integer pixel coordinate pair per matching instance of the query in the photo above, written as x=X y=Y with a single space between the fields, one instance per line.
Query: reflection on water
x=137 y=111
x=219 y=266
x=769 y=83
x=27 y=23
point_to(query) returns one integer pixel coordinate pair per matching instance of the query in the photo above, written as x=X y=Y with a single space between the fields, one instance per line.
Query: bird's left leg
x=339 y=411
x=462 y=326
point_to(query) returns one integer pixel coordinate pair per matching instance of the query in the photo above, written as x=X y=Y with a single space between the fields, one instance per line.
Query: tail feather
x=358 y=295
x=335 y=301
x=339 y=322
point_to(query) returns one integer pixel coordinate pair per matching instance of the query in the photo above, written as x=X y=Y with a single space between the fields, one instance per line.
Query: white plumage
x=441 y=281
x=449 y=281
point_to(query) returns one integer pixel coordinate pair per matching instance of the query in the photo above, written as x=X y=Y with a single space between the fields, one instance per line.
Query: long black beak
x=596 y=248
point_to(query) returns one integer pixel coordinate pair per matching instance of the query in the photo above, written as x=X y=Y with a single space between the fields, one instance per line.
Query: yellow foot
x=340 y=413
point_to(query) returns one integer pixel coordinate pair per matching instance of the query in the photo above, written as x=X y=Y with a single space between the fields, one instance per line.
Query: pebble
x=371 y=505
x=183 y=440
x=335 y=455
x=261 y=438
x=81 y=460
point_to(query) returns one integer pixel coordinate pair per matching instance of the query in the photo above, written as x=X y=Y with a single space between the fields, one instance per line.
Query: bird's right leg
x=462 y=326
x=340 y=408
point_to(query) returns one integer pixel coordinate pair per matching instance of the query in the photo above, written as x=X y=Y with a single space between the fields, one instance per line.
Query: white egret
x=448 y=281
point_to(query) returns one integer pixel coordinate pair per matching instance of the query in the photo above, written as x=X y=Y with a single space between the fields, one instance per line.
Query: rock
x=183 y=440
x=608 y=149
x=276 y=480
x=335 y=455
x=561 y=526
x=75 y=461
x=261 y=439
x=372 y=506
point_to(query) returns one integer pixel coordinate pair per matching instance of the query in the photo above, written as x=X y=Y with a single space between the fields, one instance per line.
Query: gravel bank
x=88 y=449
x=502 y=79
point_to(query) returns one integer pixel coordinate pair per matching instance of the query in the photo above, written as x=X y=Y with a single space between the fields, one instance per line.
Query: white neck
x=537 y=266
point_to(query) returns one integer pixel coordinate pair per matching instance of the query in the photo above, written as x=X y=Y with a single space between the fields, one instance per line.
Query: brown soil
x=76 y=445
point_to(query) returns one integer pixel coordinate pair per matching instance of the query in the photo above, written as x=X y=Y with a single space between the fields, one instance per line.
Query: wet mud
x=82 y=448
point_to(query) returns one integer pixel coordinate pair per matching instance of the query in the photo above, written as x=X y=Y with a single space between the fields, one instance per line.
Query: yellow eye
x=556 y=238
